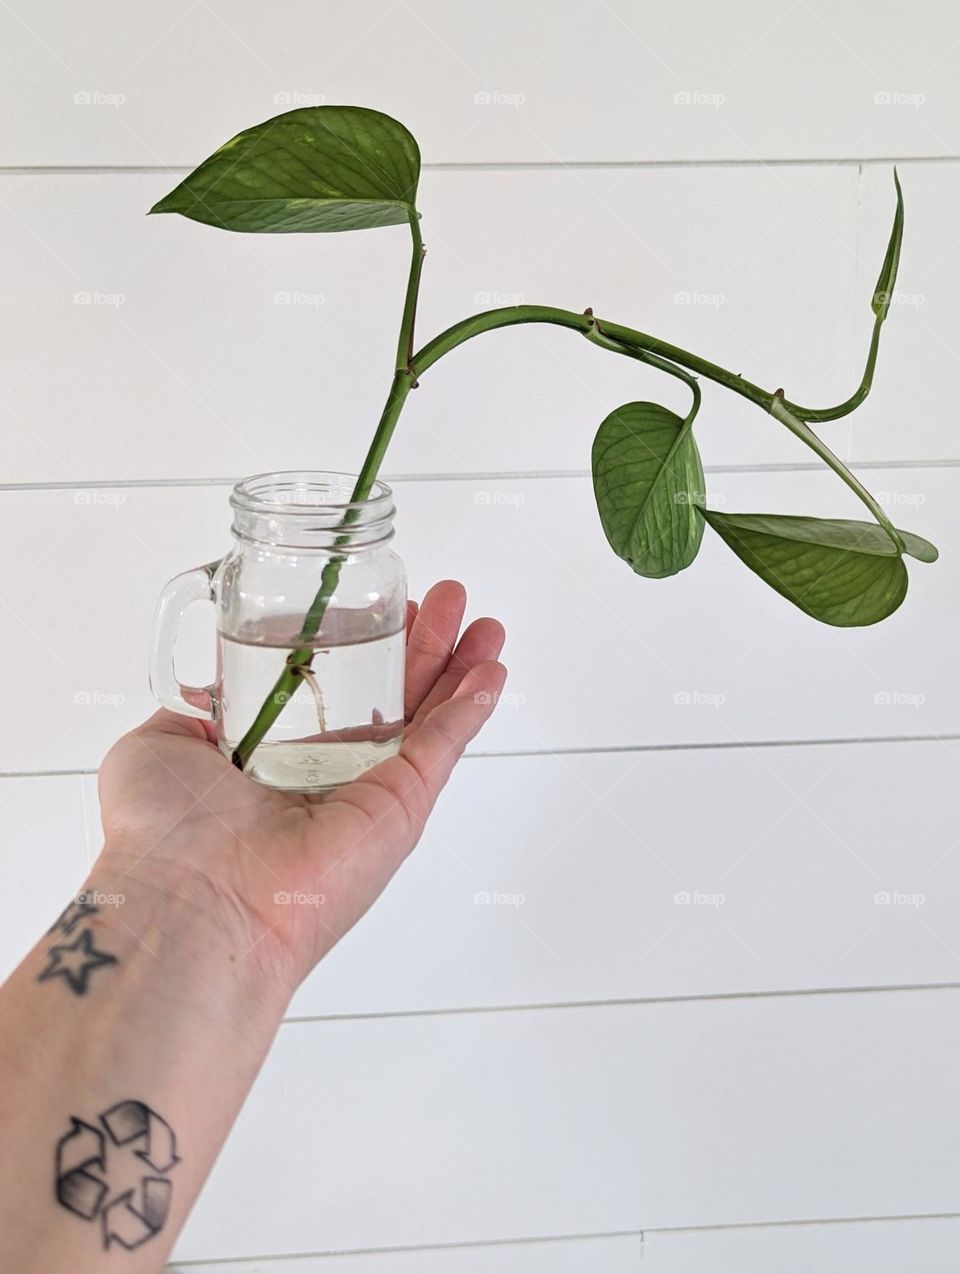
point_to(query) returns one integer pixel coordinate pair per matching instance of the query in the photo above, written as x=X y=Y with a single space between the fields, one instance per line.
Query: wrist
x=169 y=922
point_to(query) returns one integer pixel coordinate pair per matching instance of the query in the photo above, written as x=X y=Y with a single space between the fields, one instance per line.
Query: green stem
x=613 y=336
x=408 y=321
x=300 y=658
x=600 y=338
x=781 y=412
x=509 y=316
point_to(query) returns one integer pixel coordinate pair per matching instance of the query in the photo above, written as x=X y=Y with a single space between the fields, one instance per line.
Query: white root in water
x=311 y=680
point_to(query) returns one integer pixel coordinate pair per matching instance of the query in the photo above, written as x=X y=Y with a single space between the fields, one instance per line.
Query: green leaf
x=918 y=547
x=883 y=292
x=648 y=482
x=322 y=168
x=841 y=572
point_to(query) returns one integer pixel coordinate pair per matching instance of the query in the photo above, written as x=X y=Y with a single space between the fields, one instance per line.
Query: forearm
x=129 y=1037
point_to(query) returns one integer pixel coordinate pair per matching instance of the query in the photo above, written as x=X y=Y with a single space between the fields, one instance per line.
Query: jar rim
x=252 y=494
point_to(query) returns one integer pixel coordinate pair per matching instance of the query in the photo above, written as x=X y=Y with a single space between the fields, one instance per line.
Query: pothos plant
x=335 y=168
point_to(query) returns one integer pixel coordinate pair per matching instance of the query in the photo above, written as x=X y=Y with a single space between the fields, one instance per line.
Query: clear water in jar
x=343 y=718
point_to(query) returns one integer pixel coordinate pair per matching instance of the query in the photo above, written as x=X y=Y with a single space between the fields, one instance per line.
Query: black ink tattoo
x=86 y=1159
x=75 y=961
x=69 y=918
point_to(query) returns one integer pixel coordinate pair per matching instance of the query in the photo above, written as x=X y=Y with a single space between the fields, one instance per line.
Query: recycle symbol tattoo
x=86 y=1159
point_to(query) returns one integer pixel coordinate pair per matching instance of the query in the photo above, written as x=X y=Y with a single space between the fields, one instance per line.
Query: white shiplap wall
x=600 y=1078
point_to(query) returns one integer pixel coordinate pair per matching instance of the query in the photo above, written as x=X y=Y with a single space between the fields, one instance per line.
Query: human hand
x=179 y=817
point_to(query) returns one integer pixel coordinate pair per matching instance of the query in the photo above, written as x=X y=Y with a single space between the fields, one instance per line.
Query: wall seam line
x=588 y=1236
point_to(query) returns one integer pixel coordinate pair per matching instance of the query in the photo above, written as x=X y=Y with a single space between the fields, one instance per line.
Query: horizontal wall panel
x=435 y=1130
x=44 y=854
x=889 y=1247
x=151 y=347
x=623 y=876
x=598 y=657
x=613 y=1256
x=108 y=84
x=620 y=876
x=884 y=1247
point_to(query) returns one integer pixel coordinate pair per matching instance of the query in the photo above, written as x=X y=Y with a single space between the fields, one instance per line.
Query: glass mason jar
x=328 y=678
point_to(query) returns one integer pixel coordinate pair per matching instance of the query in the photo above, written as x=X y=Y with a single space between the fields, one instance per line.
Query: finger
x=431 y=640
x=412 y=608
x=481 y=642
x=164 y=721
x=398 y=795
x=434 y=748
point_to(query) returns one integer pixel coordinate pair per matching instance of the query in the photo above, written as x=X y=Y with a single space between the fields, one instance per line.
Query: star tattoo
x=71 y=916
x=75 y=961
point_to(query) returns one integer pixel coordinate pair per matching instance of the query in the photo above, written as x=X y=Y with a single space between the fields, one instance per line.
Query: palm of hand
x=177 y=813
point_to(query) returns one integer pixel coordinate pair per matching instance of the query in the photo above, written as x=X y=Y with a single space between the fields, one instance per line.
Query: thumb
x=164 y=721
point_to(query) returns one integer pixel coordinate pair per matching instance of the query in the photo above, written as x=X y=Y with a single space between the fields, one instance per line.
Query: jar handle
x=191 y=586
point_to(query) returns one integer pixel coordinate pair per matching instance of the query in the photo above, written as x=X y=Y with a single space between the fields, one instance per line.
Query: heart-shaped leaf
x=320 y=168
x=648 y=482
x=841 y=572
